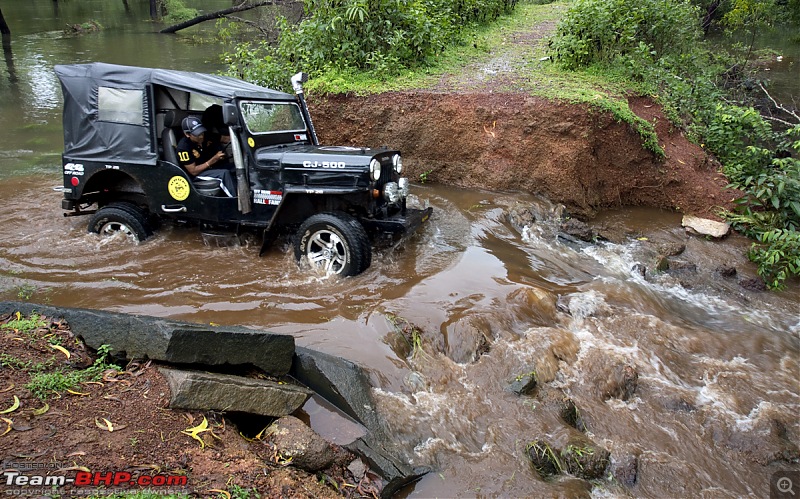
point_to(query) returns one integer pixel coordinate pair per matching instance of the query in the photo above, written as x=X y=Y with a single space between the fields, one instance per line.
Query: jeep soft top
x=121 y=126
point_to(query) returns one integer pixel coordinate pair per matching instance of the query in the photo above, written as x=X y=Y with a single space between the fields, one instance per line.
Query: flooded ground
x=713 y=413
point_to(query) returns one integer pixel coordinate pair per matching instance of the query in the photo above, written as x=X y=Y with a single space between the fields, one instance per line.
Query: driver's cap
x=193 y=126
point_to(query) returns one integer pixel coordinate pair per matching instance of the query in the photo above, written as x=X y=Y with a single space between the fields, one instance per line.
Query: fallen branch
x=218 y=14
x=782 y=108
x=251 y=24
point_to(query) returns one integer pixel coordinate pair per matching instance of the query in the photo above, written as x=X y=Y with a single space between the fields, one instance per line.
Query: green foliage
x=769 y=210
x=600 y=31
x=382 y=37
x=43 y=383
x=656 y=46
x=777 y=254
x=24 y=324
x=176 y=11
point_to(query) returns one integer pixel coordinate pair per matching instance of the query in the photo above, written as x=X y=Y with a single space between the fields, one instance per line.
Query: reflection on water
x=30 y=95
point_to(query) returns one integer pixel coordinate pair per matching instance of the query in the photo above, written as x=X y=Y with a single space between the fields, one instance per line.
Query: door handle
x=172 y=210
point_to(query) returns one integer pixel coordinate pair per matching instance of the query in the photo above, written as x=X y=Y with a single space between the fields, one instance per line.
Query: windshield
x=268 y=117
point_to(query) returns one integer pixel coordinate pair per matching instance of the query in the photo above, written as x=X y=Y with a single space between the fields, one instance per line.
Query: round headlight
x=398 y=163
x=375 y=169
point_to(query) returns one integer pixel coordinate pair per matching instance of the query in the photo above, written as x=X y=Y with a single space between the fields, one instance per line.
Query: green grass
x=473 y=49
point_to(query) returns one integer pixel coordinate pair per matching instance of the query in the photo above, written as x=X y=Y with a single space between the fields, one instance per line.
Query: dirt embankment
x=513 y=141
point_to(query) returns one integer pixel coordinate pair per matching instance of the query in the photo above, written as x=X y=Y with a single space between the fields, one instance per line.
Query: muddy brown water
x=714 y=414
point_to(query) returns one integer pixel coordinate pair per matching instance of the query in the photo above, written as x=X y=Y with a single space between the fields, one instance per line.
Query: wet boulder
x=577 y=229
x=621 y=384
x=571 y=415
x=295 y=442
x=705 y=227
x=524 y=383
x=224 y=392
x=584 y=459
x=544 y=458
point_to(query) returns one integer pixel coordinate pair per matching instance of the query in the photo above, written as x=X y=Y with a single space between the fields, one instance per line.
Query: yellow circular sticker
x=251 y=142
x=178 y=188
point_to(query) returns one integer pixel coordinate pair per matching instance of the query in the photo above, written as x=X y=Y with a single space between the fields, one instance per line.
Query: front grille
x=386 y=174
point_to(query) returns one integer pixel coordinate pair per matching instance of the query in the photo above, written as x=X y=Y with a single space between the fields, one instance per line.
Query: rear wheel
x=335 y=243
x=120 y=218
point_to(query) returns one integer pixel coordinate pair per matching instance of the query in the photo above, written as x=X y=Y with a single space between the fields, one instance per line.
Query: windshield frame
x=247 y=122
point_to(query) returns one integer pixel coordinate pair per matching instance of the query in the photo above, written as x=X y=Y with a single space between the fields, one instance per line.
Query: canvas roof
x=87 y=137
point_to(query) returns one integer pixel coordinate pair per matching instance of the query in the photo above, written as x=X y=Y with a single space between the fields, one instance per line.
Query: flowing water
x=446 y=321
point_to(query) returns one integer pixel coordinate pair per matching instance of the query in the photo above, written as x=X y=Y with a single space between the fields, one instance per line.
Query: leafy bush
x=379 y=36
x=600 y=31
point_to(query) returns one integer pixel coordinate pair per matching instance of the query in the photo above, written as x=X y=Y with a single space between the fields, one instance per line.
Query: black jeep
x=121 y=126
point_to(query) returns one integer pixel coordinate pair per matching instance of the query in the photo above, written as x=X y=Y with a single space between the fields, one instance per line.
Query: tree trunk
x=3 y=26
x=153 y=9
x=216 y=15
x=711 y=14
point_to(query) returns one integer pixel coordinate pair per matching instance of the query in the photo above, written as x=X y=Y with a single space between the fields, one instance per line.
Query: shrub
x=600 y=31
x=379 y=36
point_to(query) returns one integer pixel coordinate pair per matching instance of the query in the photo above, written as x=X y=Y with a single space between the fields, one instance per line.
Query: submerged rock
x=572 y=415
x=622 y=383
x=544 y=459
x=524 y=383
x=625 y=469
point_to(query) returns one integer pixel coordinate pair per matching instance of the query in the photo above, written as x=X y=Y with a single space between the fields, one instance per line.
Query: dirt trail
x=474 y=130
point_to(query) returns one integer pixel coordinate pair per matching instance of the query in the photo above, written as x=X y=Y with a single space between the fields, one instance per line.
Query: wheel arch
x=107 y=186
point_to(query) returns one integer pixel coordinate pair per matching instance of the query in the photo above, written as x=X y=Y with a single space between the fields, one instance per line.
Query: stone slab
x=205 y=391
x=142 y=336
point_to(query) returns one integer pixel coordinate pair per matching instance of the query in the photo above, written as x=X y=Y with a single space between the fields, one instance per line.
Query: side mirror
x=230 y=114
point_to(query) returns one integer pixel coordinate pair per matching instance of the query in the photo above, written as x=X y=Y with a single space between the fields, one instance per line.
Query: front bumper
x=398 y=226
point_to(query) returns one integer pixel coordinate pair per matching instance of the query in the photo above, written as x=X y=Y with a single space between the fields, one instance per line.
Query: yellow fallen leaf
x=10 y=387
x=195 y=431
x=19 y=316
x=221 y=492
x=641 y=239
x=8 y=428
x=107 y=426
x=41 y=410
x=81 y=394
x=13 y=407
x=60 y=349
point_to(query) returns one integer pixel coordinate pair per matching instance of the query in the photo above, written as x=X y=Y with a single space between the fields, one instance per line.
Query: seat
x=169 y=144
x=169 y=139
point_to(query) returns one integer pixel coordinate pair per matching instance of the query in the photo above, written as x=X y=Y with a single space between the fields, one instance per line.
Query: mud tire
x=120 y=217
x=336 y=242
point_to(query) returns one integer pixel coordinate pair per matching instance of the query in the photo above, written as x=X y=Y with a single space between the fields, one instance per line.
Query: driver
x=198 y=156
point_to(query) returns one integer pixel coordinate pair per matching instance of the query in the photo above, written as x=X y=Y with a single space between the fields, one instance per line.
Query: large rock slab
x=224 y=392
x=705 y=227
x=142 y=336
x=346 y=385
